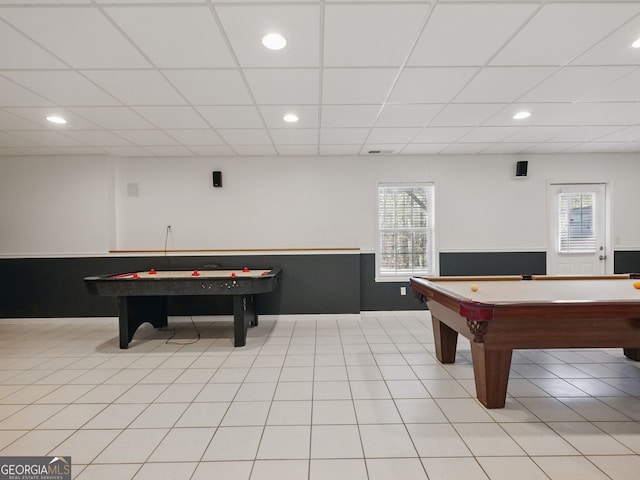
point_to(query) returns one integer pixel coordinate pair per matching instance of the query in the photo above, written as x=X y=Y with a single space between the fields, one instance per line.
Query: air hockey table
x=143 y=296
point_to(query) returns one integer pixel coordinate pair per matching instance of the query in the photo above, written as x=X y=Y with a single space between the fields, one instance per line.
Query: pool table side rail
x=434 y=288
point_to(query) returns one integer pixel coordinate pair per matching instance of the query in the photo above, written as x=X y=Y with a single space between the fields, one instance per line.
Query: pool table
x=142 y=296
x=499 y=314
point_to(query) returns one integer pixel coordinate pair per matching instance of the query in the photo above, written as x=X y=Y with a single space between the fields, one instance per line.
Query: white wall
x=56 y=206
x=62 y=205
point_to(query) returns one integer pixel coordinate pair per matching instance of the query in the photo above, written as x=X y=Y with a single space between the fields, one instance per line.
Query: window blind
x=576 y=222
x=405 y=230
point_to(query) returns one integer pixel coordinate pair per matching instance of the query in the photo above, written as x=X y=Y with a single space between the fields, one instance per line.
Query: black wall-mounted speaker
x=217 y=179
x=521 y=168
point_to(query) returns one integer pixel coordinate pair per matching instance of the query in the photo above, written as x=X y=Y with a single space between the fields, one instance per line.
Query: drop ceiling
x=192 y=78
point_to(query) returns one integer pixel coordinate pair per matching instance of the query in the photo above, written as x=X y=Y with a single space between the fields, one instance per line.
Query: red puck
x=245 y=269
x=152 y=271
x=195 y=273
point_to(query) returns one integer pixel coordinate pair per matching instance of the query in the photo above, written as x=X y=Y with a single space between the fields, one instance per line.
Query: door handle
x=603 y=257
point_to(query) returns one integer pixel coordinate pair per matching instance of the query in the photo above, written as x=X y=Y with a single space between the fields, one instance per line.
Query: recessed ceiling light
x=521 y=115
x=290 y=117
x=274 y=41
x=56 y=119
x=636 y=44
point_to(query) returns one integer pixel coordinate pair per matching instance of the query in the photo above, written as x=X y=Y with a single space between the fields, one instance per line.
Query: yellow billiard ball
x=474 y=288
x=636 y=285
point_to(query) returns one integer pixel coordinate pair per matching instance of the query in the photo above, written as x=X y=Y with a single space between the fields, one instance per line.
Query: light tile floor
x=310 y=397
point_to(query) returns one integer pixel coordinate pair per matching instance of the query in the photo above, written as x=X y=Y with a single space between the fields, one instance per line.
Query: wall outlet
x=403 y=290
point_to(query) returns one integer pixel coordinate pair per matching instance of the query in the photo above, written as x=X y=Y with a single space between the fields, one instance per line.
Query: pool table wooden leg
x=632 y=353
x=446 y=341
x=491 y=371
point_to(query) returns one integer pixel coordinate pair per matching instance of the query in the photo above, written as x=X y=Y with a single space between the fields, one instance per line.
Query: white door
x=577 y=235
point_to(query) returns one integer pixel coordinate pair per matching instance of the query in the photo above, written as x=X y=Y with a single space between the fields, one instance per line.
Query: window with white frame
x=405 y=231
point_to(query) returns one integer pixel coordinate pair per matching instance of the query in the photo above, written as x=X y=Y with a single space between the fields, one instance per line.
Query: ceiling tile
x=343 y=136
x=444 y=135
x=550 y=147
x=585 y=134
x=241 y=116
x=424 y=148
x=489 y=134
x=417 y=115
x=630 y=147
x=627 y=114
x=196 y=137
x=118 y=2
x=212 y=150
x=97 y=138
x=573 y=83
x=10 y=140
x=294 y=136
x=17 y=51
x=370 y=35
x=48 y=138
x=245 y=136
x=245 y=26
x=505 y=147
x=615 y=49
x=113 y=118
x=127 y=151
x=136 y=87
x=172 y=117
x=533 y=134
x=574 y=113
x=171 y=151
x=466 y=148
x=284 y=86
x=589 y=147
x=12 y=94
x=9 y=121
x=211 y=87
x=146 y=137
x=339 y=149
x=349 y=115
x=466 y=114
x=502 y=84
x=430 y=85
x=194 y=39
x=62 y=87
x=297 y=149
x=623 y=90
x=357 y=85
x=628 y=134
x=392 y=135
x=255 y=150
x=467 y=34
x=562 y=31
x=80 y=37
x=65 y=150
